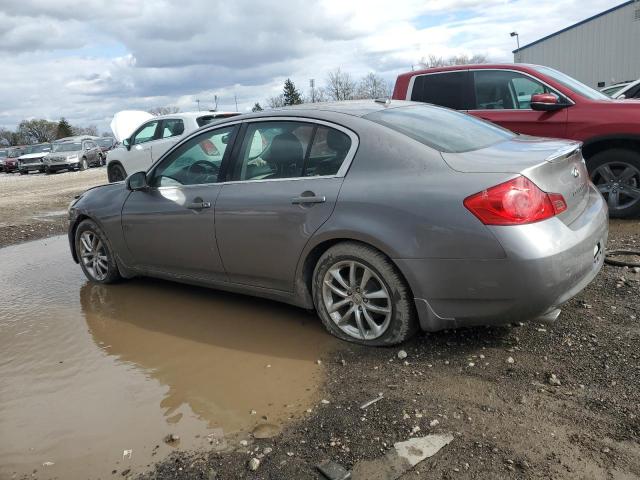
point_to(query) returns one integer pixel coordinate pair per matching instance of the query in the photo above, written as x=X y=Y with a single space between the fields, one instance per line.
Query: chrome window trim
x=341 y=173
x=553 y=89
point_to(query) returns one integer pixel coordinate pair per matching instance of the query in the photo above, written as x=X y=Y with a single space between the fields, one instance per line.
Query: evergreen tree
x=64 y=129
x=291 y=94
x=257 y=107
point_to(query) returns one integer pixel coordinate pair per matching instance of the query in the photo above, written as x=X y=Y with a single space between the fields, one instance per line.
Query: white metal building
x=598 y=51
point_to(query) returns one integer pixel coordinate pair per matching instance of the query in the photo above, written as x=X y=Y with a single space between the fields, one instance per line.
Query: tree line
x=40 y=130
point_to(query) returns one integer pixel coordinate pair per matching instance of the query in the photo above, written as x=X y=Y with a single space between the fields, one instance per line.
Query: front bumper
x=546 y=264
x=31 y=167
x=61 y=164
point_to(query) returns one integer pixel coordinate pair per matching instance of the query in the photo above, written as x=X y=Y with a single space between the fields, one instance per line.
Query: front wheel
x=23 y=172
x=94 y=253
x=83 y=164
x=616 y=173
x=116 y=173
x=361 y=297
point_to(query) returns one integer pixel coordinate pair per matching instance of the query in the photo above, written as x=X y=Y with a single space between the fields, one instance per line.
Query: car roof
x=524 y=67
x=193 y=114
x=75 y=138
x=356 y=108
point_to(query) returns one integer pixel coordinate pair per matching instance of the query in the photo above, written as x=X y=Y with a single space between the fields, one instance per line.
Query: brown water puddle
x=88 y=372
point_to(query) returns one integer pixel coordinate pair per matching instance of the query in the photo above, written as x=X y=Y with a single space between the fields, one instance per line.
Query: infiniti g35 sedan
x=384 y=216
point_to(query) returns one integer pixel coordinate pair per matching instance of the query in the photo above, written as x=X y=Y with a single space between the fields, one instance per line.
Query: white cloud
x=87 y=59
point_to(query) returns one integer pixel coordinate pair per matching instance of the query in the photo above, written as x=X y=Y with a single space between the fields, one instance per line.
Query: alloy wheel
x=357 y=300
x=94 y=255
x=619 y=183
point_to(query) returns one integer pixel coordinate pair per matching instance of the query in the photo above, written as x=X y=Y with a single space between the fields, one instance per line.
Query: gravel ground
x=34 y=206
x=528 y=401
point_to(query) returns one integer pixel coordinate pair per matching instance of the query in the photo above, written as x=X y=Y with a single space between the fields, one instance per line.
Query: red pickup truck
x=537 y=100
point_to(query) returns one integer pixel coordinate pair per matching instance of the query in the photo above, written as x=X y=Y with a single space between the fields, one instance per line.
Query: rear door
x=170 y=131
x=285 y=179
x=504 y=97
x=169 y=228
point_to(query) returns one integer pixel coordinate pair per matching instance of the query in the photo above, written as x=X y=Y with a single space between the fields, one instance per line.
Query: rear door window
x=447 y=89
x=172 y=127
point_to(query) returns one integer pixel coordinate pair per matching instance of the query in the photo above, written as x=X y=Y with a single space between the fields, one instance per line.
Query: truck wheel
x=616 y=173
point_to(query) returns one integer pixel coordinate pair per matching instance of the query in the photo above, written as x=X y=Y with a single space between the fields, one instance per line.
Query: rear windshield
x=440 y=128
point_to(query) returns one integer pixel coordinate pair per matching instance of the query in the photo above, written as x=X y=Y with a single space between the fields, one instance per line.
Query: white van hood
x=125 y=122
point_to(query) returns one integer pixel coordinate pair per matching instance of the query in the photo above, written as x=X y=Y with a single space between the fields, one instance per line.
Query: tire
x=47 y=170
x=398 y=322
x=116 y=173
x=83 y=164
x=102 y=160
x=101 y=268
x=23 y=172
x=616 y=173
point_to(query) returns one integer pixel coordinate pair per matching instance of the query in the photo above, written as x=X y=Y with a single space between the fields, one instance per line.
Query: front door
x=139 y=156
x=504 y=97
x=285 y=183
x=170 y=228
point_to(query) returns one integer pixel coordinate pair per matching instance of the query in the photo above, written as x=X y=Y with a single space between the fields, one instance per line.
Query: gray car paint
x=398 y=196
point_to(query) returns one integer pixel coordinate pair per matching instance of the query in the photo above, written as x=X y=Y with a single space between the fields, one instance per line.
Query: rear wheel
x=361 y=297
x=616 y=173
x=94 y=253
x=116 y=173
x=23 y=172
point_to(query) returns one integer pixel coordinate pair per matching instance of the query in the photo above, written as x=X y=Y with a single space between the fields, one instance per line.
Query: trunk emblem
x=575 y=172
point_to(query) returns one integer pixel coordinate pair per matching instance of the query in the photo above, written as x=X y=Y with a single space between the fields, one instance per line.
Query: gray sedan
x=384 y=217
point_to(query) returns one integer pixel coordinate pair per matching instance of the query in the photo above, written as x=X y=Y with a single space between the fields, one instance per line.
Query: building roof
x=613 y=9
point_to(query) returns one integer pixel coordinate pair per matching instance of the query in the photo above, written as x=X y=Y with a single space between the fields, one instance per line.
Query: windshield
x=440 y=128
x=572 y=84
x=105 y=142
x=45 y=147
x=15 y=152
x=3 y=153
x=67 y=147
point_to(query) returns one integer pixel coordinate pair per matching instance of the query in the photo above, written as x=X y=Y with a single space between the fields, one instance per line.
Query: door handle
x=198 y=205
x=308 y=199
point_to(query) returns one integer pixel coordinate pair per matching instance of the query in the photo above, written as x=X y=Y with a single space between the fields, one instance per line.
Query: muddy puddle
x=89 y=372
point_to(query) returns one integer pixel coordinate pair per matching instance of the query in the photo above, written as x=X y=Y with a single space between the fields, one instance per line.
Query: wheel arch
x=595 y=145
x=111 y=164
x=315 y=249
x=73 y=228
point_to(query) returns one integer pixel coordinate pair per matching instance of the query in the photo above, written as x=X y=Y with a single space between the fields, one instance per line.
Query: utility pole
x=215 y=100
x=198 y=102
x=235 y=98
x=312 y=84
x=515 y=34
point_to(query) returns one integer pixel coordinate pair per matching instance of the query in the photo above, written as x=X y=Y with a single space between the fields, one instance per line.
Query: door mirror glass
x=127 y=143
x=137 y=181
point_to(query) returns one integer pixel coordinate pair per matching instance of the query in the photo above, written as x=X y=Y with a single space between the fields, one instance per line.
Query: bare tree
x=37 y=131
x=5 y=137
x=91 y=130
x=373 y=86
x=163 y=110
x=340 y=86
x=433 y=61
x=276 y=101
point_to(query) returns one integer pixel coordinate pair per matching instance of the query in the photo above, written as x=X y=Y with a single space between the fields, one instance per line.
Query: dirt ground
x=528 y=401
x=35 y=205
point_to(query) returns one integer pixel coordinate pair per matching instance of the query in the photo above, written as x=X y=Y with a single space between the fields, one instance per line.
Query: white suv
x=154 y=137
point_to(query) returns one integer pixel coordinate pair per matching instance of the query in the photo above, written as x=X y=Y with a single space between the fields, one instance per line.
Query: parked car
x=611 y=90
x=10 y=162
x=154 y=137
x=536 y=100
x=3 y=155
x=32 y=159
x=106 y=144
x=384 y=217
x=632 y=90
x=72 y=155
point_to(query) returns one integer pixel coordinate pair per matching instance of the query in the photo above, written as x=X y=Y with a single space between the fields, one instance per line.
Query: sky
x=85 y=60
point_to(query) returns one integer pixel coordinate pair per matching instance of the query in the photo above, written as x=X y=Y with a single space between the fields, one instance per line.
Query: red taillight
x=515 y=202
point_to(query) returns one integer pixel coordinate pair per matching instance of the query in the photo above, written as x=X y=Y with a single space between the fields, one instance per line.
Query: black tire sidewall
x=113 y=274
x=617 y=155
x=403 y=318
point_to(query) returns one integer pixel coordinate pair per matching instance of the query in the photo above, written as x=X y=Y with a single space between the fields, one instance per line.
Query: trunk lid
x=555 y=166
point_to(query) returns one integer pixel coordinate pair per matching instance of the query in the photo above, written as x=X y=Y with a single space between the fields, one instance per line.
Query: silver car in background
x=385 y=217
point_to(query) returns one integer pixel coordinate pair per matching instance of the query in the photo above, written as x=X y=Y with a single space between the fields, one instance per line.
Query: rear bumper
x=546 y=264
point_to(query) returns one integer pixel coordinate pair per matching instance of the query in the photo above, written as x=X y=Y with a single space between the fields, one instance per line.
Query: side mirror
x=127 y=143
x=546 y=102
x=137 y=182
